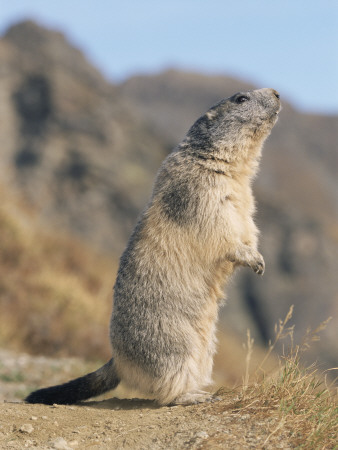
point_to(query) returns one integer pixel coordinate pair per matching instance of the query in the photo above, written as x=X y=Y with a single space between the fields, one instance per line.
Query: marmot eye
x=242 y=99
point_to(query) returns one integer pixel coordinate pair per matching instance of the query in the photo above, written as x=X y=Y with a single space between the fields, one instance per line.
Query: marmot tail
x=90 y=385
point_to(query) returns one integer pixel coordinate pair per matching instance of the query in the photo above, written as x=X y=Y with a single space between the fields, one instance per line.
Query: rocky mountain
x=82 y=158
x=84 y=153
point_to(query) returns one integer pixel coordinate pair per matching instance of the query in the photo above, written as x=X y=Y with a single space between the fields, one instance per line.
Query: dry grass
x=306 y=405
x=55 y=294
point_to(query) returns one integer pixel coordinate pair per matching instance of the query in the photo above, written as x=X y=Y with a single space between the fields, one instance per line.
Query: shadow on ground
x=123 y=404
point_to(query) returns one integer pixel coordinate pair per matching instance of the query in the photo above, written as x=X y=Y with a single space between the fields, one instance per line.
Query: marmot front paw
x=258 y=265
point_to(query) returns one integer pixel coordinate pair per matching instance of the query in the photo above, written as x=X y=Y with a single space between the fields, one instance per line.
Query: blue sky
x=291 y=45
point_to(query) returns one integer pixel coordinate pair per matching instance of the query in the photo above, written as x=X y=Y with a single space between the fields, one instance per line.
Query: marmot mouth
x=276 y=113
x=269 y=117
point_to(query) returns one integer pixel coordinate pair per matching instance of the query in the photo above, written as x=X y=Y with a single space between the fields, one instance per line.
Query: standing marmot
x=196 y=229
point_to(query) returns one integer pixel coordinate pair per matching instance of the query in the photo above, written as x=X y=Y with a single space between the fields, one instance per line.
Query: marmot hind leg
x=194 y=397
x=184 y=387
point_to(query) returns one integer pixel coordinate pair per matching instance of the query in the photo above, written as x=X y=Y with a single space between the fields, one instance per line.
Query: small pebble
x=202 y=434
x=26 y=428
x=59 y=443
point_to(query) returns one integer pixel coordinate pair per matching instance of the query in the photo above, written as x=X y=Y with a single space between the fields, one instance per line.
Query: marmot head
x=236 y=124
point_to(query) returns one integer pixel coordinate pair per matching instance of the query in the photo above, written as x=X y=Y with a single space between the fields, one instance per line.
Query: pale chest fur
x=228 y=213
x=230 y=208
x=239 y=208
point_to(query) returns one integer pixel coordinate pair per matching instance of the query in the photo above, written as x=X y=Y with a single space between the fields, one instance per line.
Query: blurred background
x=95 y=95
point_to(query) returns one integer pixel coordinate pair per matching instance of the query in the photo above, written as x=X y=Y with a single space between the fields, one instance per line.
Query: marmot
x=196 y=229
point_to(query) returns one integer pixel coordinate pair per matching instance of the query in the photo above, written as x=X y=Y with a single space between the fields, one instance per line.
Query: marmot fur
x=197 y=228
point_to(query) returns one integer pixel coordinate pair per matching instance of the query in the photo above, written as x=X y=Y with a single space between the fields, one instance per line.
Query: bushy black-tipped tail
x=95 y=383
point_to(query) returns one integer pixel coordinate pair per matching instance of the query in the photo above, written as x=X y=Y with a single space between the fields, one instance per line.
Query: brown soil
x=115 y=423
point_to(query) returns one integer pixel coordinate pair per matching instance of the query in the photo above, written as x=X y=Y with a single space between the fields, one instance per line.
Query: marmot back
x=197 y=228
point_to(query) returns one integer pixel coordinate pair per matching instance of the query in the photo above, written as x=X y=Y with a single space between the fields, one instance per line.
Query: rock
x=26 y=428
x=202 y=435
x=60 y=443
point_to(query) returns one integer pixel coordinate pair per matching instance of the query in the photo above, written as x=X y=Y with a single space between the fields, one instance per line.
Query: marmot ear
x=211 y=114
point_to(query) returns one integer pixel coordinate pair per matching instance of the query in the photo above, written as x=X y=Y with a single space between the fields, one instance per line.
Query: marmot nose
x=276 y=94
x=270 y=92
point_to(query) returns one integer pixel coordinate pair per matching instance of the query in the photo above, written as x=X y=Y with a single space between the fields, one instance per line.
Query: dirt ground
x=114 y=423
